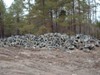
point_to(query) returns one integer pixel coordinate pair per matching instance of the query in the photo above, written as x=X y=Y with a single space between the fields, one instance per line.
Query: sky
x=9 y=2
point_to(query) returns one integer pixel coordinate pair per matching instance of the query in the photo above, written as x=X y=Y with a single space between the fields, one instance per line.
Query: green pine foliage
x=67 y=16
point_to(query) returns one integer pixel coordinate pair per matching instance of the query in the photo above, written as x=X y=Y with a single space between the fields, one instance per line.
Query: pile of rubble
x=51 y=40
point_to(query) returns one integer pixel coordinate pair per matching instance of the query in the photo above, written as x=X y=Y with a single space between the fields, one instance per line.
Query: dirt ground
x=16 y=61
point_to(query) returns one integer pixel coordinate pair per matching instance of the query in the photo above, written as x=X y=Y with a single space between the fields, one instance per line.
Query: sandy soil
x=16 y=61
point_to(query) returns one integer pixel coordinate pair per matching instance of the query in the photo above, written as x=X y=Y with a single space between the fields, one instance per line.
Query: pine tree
x=17 y=9
x=69 y=16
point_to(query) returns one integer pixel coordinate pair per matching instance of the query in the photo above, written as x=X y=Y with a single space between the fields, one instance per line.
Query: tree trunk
x=43 y=8
x=79 y=17
x=56 y=29
x=17 y=22
x=51 y=18
x=29 y=10
x=73 y=9
x=1 y=26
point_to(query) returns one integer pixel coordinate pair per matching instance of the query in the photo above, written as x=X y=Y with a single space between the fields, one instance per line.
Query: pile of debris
x=51 y=40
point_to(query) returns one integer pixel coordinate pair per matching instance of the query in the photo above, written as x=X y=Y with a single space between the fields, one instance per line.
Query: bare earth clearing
x=14 y=61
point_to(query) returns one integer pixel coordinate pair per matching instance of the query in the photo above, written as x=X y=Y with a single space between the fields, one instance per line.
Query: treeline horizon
x=49 y=16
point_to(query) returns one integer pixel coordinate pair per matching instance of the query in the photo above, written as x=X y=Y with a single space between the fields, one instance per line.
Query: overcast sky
x=9 y=2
